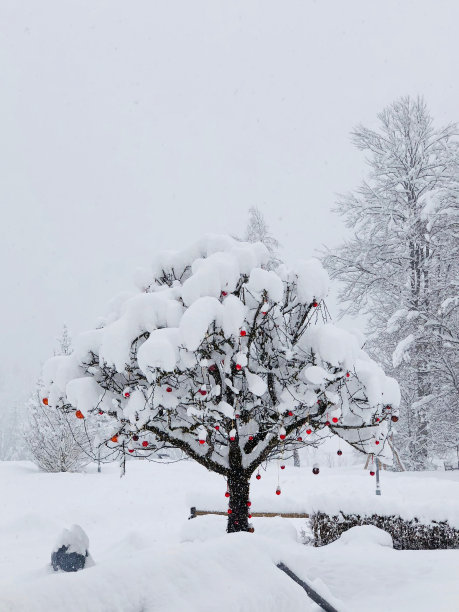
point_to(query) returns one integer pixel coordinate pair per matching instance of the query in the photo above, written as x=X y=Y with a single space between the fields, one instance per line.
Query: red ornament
x=300 y=439
x=227 y=494
x=250 y=437
x=339 y=452
x=127 y=394
x=347 y=374
x=79 y=414
x=144 y=443
x=212 y=367
x=217 y=427
x=372 y=473
x=258 y=476
x=249 y=503
x=388 y=407
x=232 y=438
x=264 y=312
x=135 y=438
x=327 y=423
x=45 y=401
x=224 y=293
x=377 y=442
x=237 y=415
x=394 y=418
x=282 y=436
x=243 y=332
x=131 y=450
x=249 y=515
x=309 y=431
x=278 y=491
x=377 y=419
x=169 y=389
x=290 y=413
x=230 y=511
x=238 y=366
x=202 y=441
x=282 y=467
x=315 y=304
x=114 y=439
x=315 y=470
x=335 y=419
x=100 y=412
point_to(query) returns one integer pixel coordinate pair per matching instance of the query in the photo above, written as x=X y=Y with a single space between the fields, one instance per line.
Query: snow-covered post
x=227 y=361
x=378 y=488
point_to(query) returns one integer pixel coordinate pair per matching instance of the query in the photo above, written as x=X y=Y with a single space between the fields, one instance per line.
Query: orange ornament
x=79 y=414
x=114 y=439
x=45 y=401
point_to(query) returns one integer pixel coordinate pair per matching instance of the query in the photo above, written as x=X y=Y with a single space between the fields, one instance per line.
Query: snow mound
x=365 y=535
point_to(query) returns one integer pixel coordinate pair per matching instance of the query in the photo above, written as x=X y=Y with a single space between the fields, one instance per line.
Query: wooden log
x=194 y=513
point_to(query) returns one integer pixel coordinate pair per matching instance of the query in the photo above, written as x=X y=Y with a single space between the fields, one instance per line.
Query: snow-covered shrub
x=229 y=362
x=71 y=552
x=406 y=534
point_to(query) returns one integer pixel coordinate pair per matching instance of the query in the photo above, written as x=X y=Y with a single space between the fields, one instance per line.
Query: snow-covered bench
x=450 y=466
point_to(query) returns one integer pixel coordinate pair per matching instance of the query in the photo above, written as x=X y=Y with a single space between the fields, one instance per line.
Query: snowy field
x=149 y=557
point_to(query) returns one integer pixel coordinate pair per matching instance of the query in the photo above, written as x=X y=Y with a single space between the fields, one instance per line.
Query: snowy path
x=150 y=558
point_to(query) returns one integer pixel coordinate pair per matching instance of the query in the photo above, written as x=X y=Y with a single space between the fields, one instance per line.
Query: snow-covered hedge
x=406 y=534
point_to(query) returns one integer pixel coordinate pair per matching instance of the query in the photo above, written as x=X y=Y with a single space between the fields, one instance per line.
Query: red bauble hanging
x=114 y=438
x=101 y=412
x=335 y=419
x=135 y=437
x=243 y=332
x=282 y=467
x=377 y=442
x=169 y=389
x=249 y=516
x=315 y=304
x=217 y=427
x=347 y=374
x=278 y=491
x=372 y=473
x=290 y=413
x=300 y=439
x=327 y=423
x=394 y=418
x=388 y=407
x=238 y=366
x=282 y=436
x=127 y=394
x=249 y=503
x=202 y=391
x=339 y=452
x=232 y=438
x=315 y=470
x=230 y=511
x=309 y=431
x=45 y=401
x=258 y=476
x=79 y=414
x=224 y=293
x=250 y=437
x=227 y=494
x=131 y=450
x=202 y=441
x=144 y=443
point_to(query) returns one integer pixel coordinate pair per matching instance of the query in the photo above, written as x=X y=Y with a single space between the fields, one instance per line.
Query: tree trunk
x=238 y=487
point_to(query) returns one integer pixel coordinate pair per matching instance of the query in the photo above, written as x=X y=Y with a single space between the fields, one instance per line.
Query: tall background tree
x=229 y=362
x=400 y=269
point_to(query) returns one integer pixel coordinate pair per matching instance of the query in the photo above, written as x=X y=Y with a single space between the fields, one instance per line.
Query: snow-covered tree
x=227 y=361
x=56 y=443
x=258 y=231
x=401 y=268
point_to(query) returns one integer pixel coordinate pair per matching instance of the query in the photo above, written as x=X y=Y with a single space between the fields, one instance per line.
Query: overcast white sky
x=128 y=127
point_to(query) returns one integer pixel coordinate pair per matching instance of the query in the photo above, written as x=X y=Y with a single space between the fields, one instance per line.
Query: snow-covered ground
x=149 y=557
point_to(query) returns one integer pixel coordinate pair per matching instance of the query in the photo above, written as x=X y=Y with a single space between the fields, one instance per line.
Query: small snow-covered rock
x=71 y=553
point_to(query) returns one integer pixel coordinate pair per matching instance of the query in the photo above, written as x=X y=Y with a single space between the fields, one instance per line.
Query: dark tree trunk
x=238 y=487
